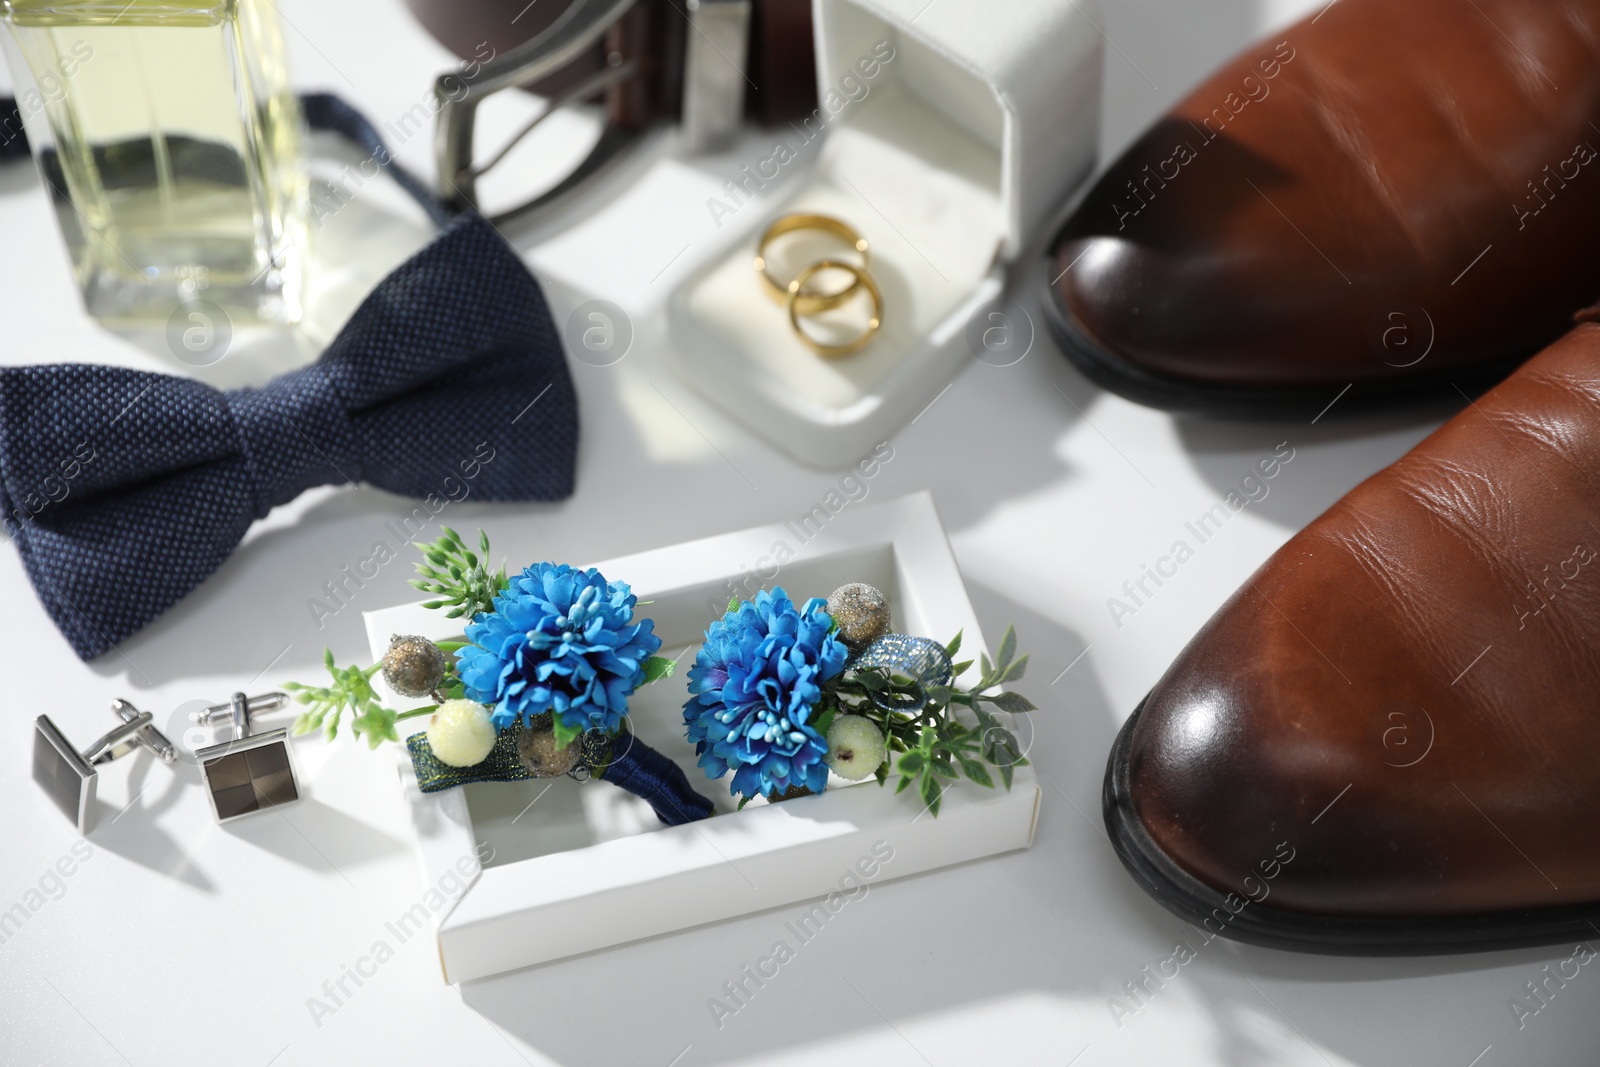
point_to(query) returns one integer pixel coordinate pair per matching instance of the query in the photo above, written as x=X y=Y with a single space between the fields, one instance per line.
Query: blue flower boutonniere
x=559 y=642
x=781 y=695
x=755 y=689
x=538 y=687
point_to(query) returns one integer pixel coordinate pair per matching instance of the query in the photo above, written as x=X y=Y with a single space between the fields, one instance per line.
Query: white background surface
x=181 y=942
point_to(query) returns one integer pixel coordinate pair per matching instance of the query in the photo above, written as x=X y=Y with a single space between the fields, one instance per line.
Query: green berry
x=855 y=747
x=461 y=733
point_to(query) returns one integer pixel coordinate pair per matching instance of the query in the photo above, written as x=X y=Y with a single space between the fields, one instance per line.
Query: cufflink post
x=239 y=709
x=148 y=736
x=116 y=744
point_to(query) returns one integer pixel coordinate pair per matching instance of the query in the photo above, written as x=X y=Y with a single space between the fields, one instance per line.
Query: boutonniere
x=781 y=695
x=537 y=686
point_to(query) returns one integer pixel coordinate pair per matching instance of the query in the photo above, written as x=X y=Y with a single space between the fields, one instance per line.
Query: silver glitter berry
x=413 y=666
x=861 y=611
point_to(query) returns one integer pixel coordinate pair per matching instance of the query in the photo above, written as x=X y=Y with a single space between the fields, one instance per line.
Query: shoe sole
x=1119 y=376
x=1257 y=924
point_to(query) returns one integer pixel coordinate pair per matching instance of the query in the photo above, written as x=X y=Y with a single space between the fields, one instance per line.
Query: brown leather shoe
x=1388 y=741
x=1396 y=194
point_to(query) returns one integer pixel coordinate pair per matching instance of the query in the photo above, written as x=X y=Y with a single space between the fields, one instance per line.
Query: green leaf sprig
x=460 y=577
x=932 y=743
x=351 y=691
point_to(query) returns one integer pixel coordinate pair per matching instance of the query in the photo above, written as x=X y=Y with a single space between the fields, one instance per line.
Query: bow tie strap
x=294 y=435
x=323 y=111
x=13 y=142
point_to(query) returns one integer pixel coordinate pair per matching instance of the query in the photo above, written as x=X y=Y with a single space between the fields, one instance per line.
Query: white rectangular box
x=570 y=867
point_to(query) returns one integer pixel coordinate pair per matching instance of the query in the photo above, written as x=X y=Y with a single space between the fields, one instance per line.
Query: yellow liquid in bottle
x=170 y=142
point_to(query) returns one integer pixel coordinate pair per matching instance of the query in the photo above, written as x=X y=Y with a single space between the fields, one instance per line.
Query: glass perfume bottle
x=170 y=142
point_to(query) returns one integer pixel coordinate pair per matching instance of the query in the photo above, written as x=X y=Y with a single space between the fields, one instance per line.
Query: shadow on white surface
x=132 y=830
x=1160 y=51
x=17 y=177
x=1330 y=457
x=1062 y=924
x=317 y=837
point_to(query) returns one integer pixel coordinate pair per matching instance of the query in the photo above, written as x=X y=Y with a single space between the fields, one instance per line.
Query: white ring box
x=570 y=867
x=954 y=133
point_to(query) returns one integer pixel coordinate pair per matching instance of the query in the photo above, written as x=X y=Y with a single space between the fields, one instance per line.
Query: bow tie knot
x=294 y=435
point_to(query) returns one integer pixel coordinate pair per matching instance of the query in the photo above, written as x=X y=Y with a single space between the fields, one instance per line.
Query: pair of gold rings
x=801 y=296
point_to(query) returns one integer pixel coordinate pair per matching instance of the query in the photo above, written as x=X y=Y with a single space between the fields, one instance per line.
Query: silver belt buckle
x=714 y=65
x=715 y=62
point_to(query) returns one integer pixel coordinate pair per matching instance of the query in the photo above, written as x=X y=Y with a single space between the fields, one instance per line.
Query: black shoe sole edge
x=1181 y=396
x=1209 y=910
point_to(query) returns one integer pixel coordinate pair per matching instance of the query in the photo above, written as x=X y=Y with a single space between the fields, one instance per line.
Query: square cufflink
x=69 y=777
x=252 y=772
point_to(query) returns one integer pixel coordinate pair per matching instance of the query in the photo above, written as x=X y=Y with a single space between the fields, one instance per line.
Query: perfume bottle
x=170 y=143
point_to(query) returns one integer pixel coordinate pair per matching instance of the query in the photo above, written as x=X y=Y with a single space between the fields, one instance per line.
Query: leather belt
x=707 y=63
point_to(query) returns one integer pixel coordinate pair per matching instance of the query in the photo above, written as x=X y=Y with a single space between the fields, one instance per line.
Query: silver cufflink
x=251 y=772
x=70 y=777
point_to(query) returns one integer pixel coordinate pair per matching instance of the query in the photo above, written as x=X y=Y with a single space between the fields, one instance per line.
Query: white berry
x=461 y=733
x=855 y=747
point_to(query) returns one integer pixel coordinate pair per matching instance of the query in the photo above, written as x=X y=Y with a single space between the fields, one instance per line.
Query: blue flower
x=754 y=687
x=562 y=641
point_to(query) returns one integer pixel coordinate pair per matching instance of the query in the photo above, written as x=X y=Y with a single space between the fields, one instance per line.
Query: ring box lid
x=1012 y=80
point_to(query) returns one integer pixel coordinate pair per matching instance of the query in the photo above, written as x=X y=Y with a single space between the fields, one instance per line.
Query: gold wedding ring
x=861 y=280
x=810 y=303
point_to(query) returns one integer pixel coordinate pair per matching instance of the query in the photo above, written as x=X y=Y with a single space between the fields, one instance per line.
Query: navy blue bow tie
x=124 y=490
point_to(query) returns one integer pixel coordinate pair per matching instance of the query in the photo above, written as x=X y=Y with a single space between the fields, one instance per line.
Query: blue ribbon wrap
x=623 y=760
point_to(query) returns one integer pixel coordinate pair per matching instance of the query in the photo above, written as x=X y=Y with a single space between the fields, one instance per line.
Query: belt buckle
x=715 y=58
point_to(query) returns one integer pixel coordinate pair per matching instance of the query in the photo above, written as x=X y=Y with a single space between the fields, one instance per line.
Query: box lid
x=1022 y=80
